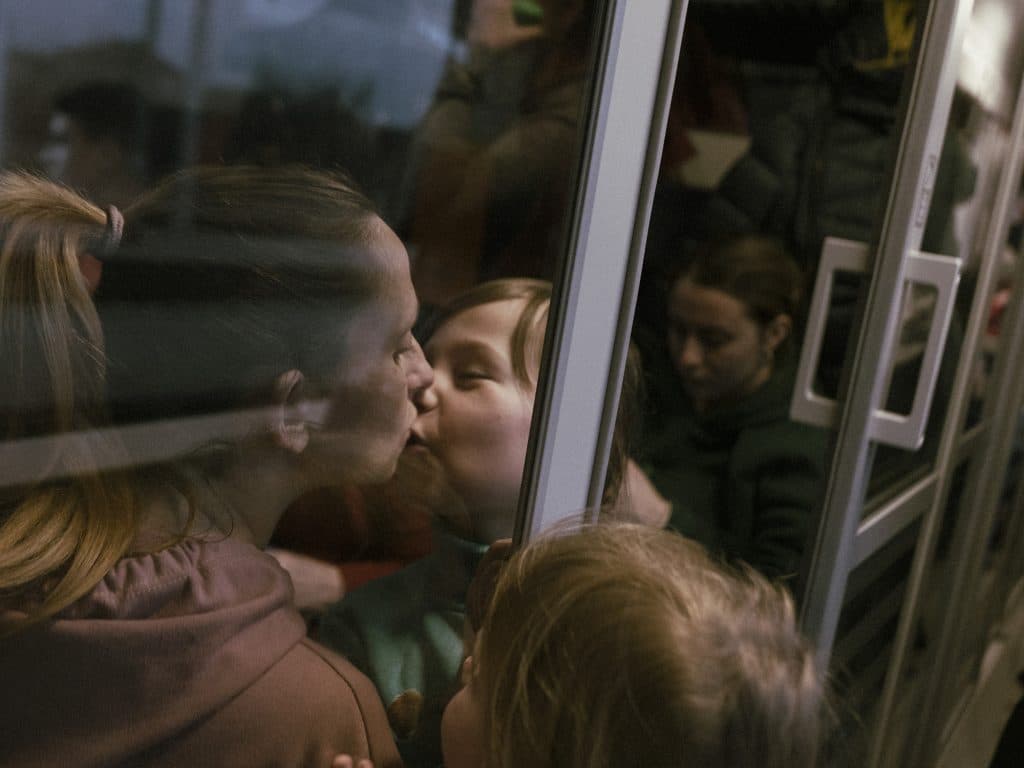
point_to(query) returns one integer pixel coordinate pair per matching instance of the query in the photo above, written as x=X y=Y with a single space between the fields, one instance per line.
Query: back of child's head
x=622 y=645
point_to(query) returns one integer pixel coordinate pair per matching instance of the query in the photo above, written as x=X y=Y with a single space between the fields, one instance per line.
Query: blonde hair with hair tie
x=56 y=539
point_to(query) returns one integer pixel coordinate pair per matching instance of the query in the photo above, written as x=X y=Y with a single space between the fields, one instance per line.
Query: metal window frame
x=592 y=309
x=984 y=485
x=928 y=104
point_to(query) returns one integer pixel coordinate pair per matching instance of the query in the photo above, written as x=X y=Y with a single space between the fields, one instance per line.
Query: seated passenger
x=466 y=456
x=622 y=646
x=140 y=624
x=717 y=443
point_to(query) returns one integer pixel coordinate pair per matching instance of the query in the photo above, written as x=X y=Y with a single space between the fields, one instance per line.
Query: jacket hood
x=164 y=640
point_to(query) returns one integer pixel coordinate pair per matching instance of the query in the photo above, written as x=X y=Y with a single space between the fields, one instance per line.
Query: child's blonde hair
x=622 y=645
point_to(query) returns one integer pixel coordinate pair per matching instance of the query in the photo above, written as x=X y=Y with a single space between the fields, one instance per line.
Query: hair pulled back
x=229 y=276
x=755 y=270
x=225 y=278
x=59 y=536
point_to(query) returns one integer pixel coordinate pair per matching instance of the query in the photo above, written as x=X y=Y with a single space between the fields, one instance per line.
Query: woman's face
x=370 y=410
x=475 y=417
x=462 y=725
x=721 y=353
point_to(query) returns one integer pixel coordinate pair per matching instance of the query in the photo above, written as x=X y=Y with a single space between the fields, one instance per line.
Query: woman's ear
x=777 y=331
x=289 y=427
x=92 y=271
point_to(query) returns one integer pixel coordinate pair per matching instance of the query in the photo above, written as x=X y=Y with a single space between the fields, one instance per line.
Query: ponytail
x=60 y=536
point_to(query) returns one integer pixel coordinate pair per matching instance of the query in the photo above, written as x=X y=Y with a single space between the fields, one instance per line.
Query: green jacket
x=405 y=632
x=744 y=480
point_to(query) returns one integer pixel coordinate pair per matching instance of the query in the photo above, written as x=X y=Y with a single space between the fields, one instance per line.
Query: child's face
x=475 y=417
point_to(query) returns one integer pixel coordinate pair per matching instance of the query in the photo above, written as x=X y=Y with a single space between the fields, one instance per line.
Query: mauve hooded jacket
x=191 y=656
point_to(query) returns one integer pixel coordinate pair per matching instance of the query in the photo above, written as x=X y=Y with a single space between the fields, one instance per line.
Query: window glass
x=300 y=289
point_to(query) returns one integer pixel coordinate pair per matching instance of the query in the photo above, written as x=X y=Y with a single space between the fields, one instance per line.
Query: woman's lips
x=415 y=444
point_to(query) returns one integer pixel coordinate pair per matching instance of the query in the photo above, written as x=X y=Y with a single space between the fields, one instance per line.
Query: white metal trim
x=569 y=422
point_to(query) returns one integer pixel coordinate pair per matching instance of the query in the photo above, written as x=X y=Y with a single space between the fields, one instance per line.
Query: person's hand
x=492 y=25
x=346 y=761
x=639 y=501
x=317 y=584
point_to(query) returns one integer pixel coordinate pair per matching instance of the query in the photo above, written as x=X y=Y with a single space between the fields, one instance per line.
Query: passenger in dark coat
x=718 y=444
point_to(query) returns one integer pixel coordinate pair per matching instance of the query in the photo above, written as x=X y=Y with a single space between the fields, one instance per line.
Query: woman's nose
x=418 y=373
x=420 y=377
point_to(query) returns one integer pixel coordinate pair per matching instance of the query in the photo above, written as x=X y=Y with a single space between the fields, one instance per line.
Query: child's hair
x=622 y=645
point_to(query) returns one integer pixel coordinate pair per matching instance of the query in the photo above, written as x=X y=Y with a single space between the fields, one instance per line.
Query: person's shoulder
x=314 y=683
x=318 y=657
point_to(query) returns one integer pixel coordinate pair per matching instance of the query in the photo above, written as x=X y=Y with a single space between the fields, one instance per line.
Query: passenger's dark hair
x=229 y=276
x=754 y=269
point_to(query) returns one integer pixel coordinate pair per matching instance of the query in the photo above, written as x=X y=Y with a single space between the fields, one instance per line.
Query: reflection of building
x=383 y=58
x=35 y=81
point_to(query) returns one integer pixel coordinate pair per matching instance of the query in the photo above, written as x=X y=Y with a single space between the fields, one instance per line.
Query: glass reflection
x=459 y=122
x=492 y=160
x=789 y=142
x=973 y=155
x=135 y=593
x=737 y=474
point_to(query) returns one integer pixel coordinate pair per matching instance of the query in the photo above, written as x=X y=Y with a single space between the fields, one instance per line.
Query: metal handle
x=902 y=431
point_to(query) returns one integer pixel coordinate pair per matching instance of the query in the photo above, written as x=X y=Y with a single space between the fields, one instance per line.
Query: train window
x=778 y=136
x=958 y=224
x=308 y=256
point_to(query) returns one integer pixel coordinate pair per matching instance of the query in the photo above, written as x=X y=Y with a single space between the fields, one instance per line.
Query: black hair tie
x=111 y=240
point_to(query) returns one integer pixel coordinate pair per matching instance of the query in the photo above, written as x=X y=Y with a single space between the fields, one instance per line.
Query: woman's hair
x=756 y=270
x=62 y=534
x=226 y=278
x=622 y=645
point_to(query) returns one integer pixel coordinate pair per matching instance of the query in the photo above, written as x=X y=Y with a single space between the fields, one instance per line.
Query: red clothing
x=190 y=656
